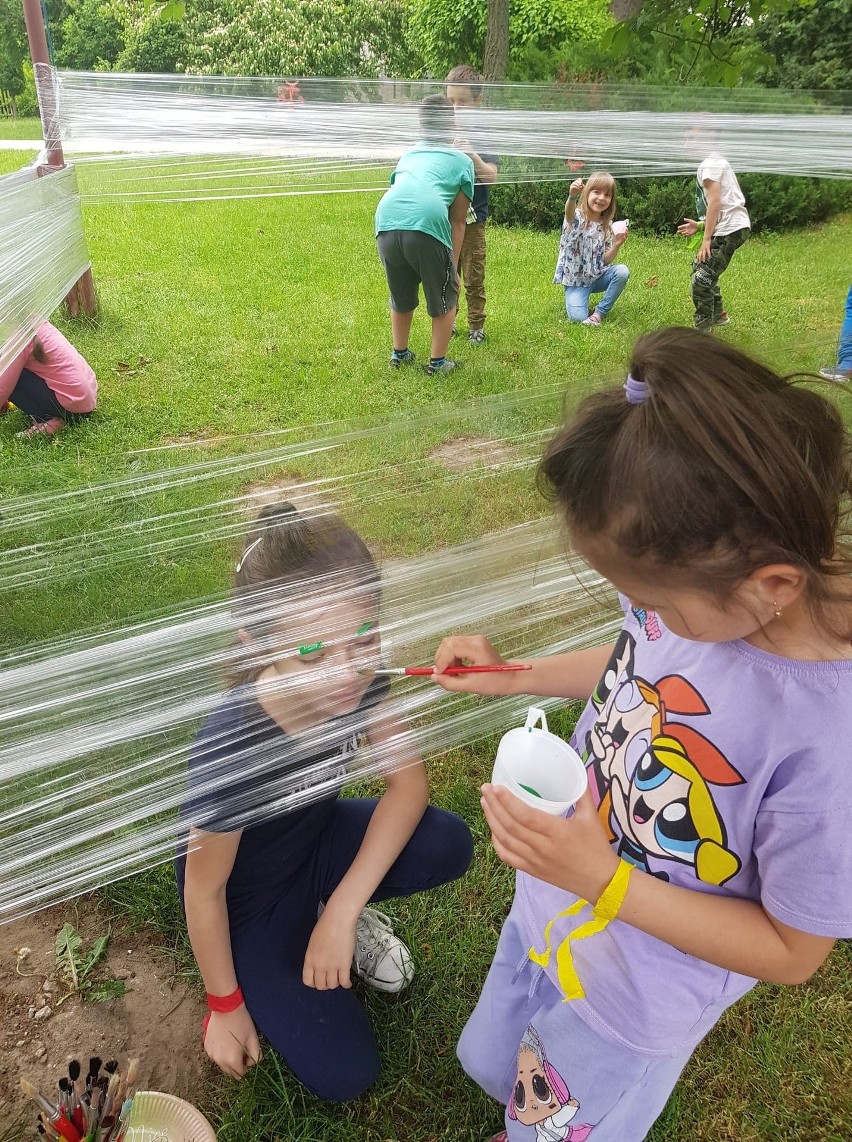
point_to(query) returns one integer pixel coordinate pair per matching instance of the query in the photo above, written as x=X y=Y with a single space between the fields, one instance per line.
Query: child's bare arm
x=458 y=222
x=573 y=675
x=231 y=1040
x=574 y=192
x=713 y=191
x=575 y=854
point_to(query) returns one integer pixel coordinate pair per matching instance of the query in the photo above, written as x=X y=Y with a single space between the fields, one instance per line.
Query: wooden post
x=82 y=295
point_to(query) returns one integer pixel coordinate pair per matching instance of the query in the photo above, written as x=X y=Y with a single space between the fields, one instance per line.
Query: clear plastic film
x=183 y=138
x=42 y=250
x=98 y=728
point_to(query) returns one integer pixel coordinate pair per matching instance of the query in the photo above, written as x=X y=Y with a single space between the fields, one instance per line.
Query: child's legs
x=488 y=1046
x=325 y=1037
x=440 y=850
x=472 y=263
x=403 y=284
x=33 y=396
x=611 y=283
x=573 y=1083
x=706 y=293
x=433 y=262
x=577 y=302
x=844 y=356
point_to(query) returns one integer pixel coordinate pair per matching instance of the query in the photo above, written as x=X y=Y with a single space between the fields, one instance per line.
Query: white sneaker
x=381 y=959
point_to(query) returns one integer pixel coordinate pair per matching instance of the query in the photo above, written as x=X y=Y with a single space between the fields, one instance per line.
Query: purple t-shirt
x=721 y=768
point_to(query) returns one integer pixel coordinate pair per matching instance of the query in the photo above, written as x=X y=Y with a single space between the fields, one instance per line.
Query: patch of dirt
x=157 y=1021
x=289 y=487
x=204 y=437
x=465 y=452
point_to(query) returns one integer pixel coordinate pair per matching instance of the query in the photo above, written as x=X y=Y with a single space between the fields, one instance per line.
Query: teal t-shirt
x=423 y=187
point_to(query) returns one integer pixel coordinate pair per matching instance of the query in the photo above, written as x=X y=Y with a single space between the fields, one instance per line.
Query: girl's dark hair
x=39 y=351
x=725 y=468
x=287 y=557
x=437 y=119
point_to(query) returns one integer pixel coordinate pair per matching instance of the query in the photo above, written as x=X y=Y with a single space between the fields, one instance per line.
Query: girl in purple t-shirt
x=714 y=845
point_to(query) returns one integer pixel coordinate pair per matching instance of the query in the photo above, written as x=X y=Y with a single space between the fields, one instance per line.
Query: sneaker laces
x=373 y=937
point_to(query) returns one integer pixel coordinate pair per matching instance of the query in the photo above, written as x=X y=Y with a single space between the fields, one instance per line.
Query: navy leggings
x=36 y=398
x=325 y=1036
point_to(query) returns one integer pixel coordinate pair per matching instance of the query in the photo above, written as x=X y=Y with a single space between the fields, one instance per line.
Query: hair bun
x=273 y=512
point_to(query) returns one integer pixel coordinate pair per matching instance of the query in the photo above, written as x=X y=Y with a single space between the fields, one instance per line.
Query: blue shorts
x=534 y=1053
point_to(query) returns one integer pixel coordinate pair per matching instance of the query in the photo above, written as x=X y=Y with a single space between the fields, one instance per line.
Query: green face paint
x=365 y=629
x=312 y=648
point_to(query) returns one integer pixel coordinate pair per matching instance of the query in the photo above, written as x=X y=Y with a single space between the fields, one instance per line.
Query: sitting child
x=50 y=382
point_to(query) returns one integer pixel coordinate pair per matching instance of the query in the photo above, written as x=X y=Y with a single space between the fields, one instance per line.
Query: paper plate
x=160 y=1117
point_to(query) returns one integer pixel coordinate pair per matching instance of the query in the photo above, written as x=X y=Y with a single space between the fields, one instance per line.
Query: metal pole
x=82 y=296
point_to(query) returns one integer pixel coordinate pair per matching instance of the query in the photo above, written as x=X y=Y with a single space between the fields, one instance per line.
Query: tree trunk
x=625 y=9
x=495 y=61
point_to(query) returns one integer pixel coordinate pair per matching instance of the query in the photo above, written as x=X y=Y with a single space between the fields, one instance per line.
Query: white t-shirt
x=732 y=210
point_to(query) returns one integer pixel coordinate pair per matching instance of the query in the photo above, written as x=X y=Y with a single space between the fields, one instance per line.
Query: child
x=587 y=248
x=722 y=214
x=50 y=382
x=464 y=89
x=420 y=226
x=712 y=494
x=842 y=371
x=274 y=894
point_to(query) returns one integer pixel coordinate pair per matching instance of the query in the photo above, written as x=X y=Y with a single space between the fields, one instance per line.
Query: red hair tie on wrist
x=225 y=1003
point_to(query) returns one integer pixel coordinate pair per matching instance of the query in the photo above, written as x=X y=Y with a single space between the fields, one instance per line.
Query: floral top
x=581 y=252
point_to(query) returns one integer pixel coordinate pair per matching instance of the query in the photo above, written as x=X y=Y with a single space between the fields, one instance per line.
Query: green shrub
x=656 y=205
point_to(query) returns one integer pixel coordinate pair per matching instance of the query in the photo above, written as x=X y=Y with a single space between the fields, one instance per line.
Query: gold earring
x=776 y=610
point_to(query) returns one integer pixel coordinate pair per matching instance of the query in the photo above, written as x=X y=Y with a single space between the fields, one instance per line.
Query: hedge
x=657 y=205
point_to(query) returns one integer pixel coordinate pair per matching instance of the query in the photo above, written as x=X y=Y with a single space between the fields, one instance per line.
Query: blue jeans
x=844 y=354
x=611 y=284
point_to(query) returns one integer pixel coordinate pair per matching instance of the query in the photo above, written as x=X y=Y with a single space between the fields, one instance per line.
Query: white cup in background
x=621 y=227
x=538 y=767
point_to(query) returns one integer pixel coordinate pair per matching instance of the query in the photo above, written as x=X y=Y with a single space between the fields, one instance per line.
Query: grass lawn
x=26 y=127
x=227 y=319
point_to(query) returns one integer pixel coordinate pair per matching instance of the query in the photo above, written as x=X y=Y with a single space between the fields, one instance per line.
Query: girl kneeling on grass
x=275 y=895
x=49 y=381
x=587 y=248
x=714 y=496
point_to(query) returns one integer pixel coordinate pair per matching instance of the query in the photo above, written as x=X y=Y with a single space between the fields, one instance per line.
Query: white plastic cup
x=621 y=227
x=540 y=768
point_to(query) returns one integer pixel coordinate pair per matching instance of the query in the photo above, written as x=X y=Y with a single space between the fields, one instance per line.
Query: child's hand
x=328 y=960
x=576 y=188
x=704 y=251
x=231 y=1041
x=471 y=650
x=688 y=227
x=573 y=853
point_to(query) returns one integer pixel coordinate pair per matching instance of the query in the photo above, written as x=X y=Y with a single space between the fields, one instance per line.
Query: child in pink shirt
x=50 y=382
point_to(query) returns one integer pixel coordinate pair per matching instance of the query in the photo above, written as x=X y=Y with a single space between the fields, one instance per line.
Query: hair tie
x=636 y=391
x=247 y=553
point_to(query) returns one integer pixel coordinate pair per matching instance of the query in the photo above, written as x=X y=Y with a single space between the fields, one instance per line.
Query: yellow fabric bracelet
x=604 y=910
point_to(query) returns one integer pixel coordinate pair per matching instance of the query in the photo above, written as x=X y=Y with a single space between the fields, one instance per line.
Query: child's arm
x=575 y=854
x=573 y=675
x=713 y=192
x=574 y=192
x=458 y=222
x=328 y=960
x=611 y=251
x=231 y=1040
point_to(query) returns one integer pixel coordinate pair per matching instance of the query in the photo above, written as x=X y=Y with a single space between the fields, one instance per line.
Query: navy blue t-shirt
x=482 y=191
x=243 y=773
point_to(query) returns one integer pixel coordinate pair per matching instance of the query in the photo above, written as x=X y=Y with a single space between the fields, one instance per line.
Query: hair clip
x=636 y=391
x=248 y=552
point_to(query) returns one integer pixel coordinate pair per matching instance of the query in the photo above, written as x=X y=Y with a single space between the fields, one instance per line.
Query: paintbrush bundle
x=94 y=1106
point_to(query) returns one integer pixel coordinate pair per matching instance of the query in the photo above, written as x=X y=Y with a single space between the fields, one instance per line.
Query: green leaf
x=173 y=12
x=106 y=989
x=95 y=955
x=68 y=942
x=616 y=39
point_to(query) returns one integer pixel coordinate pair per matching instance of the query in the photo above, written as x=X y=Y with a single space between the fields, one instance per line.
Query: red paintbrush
x=423 y=670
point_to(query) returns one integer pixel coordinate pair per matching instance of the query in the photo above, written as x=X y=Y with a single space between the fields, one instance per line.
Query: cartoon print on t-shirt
x=648 y=622
x=651 y=777
x=541 y=1098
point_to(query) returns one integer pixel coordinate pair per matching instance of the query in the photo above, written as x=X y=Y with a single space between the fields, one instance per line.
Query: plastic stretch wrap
x=96 y=738
x=42 y=251
x=177 y=138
